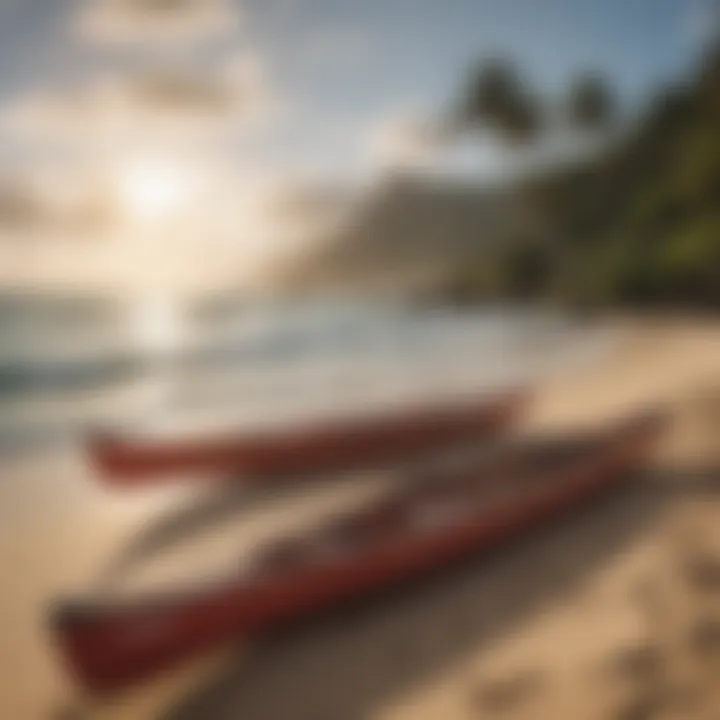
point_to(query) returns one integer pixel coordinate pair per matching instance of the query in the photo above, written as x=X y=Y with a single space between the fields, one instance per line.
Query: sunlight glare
x=156 y=324
x=154 y=190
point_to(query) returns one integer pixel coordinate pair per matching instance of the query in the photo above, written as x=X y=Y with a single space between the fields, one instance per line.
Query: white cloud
x=406 y=141
x=155 y=21
x=35 y=203
x=181 y=104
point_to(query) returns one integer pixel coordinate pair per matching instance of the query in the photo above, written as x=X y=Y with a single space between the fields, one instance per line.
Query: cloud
x=31 y=203
x=21 y=206
x=122 y=22
x=180 y=104
x=238 y=91
x=406 y=141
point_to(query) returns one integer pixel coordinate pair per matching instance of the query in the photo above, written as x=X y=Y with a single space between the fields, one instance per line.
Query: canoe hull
x=348 y=445
x=109 y=649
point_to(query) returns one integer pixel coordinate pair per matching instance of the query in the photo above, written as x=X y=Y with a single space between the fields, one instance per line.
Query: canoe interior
x=436 y=500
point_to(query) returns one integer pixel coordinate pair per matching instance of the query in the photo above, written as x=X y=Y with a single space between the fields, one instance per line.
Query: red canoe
x=331 y=446
x=435 y=520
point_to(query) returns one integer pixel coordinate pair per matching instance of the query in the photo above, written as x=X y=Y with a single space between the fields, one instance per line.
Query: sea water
x=156 y=363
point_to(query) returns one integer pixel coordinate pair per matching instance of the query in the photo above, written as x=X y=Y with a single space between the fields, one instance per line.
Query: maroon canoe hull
x=111 y=648
x=342 y=445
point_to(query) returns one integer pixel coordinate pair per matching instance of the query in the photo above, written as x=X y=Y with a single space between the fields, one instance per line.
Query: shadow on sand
x=346 y=664
x=230 y=500
x=213 y=506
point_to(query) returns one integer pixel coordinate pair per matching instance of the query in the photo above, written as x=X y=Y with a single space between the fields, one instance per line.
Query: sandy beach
x=592 y=618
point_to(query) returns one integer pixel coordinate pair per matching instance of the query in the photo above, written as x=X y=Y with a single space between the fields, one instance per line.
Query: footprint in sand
x=704 y=639
x=637 y=663
x=505 y=695
x=644 y=706
x=702 y=573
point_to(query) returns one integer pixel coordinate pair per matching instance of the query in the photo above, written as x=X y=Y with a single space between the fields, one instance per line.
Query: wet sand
x=592 y=618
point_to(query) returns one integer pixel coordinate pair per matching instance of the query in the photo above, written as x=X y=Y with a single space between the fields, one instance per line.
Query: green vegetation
x=639 y=223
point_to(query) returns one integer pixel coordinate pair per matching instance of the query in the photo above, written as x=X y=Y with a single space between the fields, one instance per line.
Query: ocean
x=67 y=364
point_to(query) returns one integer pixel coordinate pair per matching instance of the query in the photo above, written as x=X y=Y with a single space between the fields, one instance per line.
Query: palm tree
x=496 y=97
x=590 y=103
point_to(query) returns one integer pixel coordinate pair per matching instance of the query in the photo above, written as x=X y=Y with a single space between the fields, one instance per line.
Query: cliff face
x=406 y=235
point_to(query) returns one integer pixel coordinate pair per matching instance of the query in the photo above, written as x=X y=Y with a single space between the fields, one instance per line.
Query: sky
x=203 y=128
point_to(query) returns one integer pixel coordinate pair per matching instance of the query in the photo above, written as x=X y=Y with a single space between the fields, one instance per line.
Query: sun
x=153 y=189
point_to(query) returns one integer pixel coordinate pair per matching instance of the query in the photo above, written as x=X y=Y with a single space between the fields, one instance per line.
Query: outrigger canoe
x=424 y=525
x=330 y=446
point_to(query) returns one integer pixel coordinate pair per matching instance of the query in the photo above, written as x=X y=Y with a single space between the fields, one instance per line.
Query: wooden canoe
x=342 y=444
x=425 y=525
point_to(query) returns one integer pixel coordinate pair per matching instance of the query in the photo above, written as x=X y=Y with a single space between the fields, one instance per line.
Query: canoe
x=432 y=521
x=330 y=446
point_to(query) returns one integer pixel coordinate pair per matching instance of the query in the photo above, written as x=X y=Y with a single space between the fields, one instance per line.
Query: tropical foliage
x=639 y=222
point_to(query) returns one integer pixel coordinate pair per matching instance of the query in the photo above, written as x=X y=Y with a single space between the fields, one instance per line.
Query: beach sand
x=592 y=618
